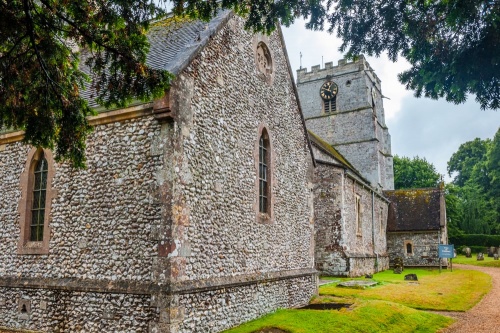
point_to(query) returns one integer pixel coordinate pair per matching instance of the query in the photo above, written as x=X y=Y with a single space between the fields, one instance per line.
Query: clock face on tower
x=328 y=90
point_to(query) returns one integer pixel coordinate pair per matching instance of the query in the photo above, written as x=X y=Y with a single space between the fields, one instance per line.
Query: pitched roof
x=174 y=43
x=323 y=145
x=414 y=209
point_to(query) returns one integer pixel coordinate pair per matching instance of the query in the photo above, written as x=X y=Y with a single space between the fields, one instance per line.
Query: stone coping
x=148 y=288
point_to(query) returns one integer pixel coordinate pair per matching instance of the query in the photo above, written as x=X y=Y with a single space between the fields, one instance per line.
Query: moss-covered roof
x=414 y=209
x=318 y=142
x=174 y=42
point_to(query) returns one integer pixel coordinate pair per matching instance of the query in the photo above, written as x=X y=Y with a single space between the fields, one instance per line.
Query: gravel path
x=485 y=316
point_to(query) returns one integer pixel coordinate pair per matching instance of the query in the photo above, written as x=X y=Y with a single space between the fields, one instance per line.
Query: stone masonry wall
x=229 y=307
x=63 y=311
x=354 y=90
x=357 y=129
x=177 y=203
x=340 y=248
x=101 y=217
x=425 y=247
x=218 y=133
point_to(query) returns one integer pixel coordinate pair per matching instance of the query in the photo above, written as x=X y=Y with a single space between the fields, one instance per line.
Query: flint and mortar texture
x=63 y=311
x=101 y=217
x=164 y=219
x=340 y=249
x=424 y=244
x=217 y=175
x=214 y=218
x=231 y=306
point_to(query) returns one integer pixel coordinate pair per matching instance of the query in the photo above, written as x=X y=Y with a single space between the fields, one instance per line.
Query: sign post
x=446 y=251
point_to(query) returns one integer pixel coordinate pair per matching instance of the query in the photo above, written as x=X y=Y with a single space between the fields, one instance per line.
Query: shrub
x=477 y=243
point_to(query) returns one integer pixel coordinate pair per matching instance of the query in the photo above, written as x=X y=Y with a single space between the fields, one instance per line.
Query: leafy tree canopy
x=414 y=173
x=40 y=74
x=475 y=192
x=452 y=45
x=465 y=158
x=493 y=165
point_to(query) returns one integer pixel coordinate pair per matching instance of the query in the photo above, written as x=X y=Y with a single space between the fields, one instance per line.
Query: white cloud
x=418 y=126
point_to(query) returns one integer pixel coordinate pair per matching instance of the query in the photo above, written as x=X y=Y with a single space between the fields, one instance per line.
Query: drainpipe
x=373 y=231
x=344 y=226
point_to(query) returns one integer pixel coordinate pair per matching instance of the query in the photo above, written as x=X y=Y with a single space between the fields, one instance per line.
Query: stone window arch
x=408 y=248
x=35 y=202
x=264 y=58
x=357 y=213
x=263 y=154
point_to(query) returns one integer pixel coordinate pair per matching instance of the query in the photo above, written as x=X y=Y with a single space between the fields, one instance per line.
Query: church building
x=195 y=211
x=212 y=206
x=345 y=119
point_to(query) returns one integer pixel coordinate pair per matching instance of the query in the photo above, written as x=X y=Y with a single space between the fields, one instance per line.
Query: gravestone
x=411 y=277
x=491 y=251
x=398 y=265
x=368 y=276
x=480 y=256
x=468 y=252
x=495 y=257
x=357 y=284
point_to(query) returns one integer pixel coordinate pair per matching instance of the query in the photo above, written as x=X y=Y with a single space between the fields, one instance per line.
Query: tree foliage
x=467 y=156
x=453 y=46
x=414 y=172
x=476 y=186
x=41 y=77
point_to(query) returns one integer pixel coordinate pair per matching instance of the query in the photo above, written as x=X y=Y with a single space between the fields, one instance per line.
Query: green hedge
x=475 y=240
x=473 y=249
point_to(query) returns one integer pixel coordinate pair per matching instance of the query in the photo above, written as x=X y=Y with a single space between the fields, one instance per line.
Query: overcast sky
x=418 y=126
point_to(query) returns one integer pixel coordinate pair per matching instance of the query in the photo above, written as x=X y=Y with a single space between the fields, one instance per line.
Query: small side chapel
x=194 y=213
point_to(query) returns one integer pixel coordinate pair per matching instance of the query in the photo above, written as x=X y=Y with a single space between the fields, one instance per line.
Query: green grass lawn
x=366 y=316
x=394 y=305
x=487 y=262
x=447 y=291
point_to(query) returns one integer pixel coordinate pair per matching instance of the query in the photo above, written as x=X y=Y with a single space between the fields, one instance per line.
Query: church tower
x=343 y=105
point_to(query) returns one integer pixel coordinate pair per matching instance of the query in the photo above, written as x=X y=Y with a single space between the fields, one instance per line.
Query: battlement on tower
x=343 y=67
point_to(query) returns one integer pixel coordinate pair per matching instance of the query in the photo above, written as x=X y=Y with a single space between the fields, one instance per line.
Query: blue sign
x=446 y=251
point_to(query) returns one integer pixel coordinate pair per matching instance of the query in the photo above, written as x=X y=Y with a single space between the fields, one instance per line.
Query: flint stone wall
x=177 y=202
x=340 y=249
x=101 y=217
x=218 y=234
x=64 y=311
x=229 y=307
x=425 y=248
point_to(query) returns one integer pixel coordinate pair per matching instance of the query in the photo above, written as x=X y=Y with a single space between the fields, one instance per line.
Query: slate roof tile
x=173 y=45
x=414 y=209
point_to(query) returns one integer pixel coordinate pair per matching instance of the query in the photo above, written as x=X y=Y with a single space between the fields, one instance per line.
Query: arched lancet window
x=264 y=162
x=35 y=202
x=409 y=248
x=264 y=172
x=39 y=199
